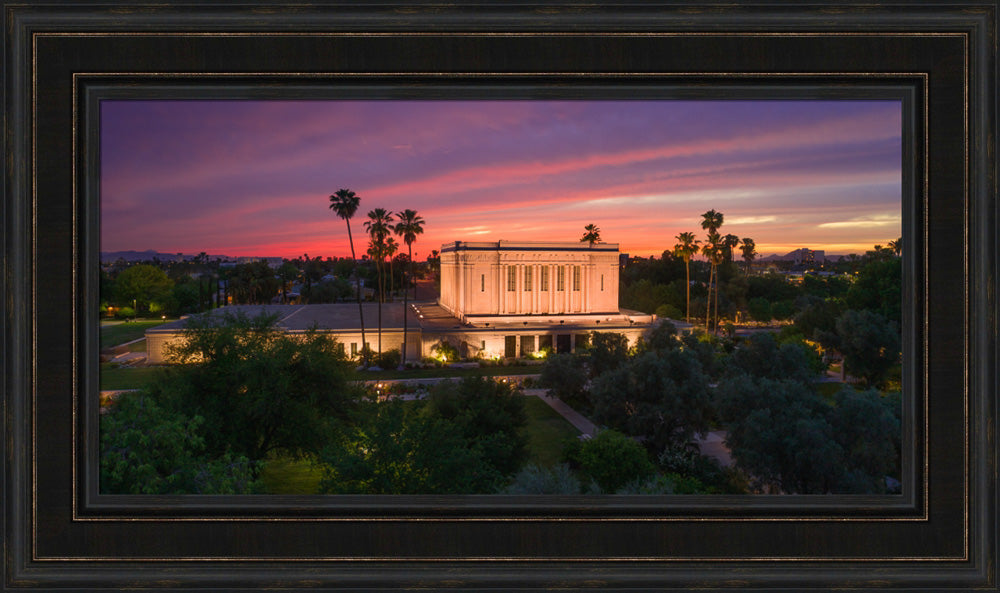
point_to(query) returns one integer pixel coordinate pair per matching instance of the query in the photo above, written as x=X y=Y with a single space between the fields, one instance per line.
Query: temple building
x=499 y=299
x=504 y=278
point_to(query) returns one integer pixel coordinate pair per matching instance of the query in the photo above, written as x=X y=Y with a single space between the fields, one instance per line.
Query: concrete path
x=572 y=416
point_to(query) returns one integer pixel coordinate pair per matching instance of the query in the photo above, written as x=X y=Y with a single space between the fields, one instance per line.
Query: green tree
x=253 y=283
x=878 y=288
x=749 y=249
x=612 y=460
x=762 y=356
x=345 y=204
x=868 y=342
x=489 y=414
x=148 y=449
x=819 y=317
x=141 y=285
x=288 y=272
x=591 y=234
x=391 y=447
x=259 y=389
x=409 y=225
x=608 y=351
x=329 y=291
x=563 y=375
x=686 y=247
x=777 y=431
x=661 y=396
x=183 y=299
x=869 y=432
x=759 y=309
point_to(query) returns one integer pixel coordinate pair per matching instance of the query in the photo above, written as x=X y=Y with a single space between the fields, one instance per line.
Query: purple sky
x=254 y=177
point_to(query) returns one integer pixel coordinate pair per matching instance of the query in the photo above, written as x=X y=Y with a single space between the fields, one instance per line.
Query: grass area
x=285 y=475
x=115 y=333
x=547 y=431
x=126 y=377
x=139 y=346
x=445 y=372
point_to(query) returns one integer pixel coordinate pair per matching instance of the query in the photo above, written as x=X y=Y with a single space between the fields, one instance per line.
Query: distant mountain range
x=800 y=255
x=149 y=254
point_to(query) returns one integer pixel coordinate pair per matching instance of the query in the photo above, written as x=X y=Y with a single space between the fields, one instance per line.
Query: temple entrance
x=510 y=346
x=527 y=345
x=564 y=343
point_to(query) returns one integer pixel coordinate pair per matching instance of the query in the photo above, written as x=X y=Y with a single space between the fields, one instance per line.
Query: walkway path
x=575 y=418
x=714 y=446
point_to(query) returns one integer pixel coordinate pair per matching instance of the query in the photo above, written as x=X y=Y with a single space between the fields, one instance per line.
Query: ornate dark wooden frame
x=61 y=59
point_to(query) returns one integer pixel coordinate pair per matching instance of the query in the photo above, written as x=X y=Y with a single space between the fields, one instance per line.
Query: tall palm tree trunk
x=715 y=323
x=687 y=287
x=708 y=309
x=406 y=311
x=357 y=285
x=381 y=295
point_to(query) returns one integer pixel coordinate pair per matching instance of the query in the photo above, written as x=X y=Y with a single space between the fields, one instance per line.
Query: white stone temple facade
x=528 y=279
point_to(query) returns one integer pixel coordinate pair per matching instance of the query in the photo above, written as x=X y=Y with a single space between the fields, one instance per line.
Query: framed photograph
x=133 y=126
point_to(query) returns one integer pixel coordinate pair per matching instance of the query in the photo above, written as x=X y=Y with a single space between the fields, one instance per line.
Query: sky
x=253 y=178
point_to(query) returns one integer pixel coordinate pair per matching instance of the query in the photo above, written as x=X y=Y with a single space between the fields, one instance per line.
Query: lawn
x=285 y=475
x=113 y=378
x=547 y=432
x=114 y=333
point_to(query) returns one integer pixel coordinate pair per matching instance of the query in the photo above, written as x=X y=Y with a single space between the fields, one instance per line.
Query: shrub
x=612 y=460
x=534 y=479
x=669 y=311
x=125 y=313
x=445 y=352
x=388 y=359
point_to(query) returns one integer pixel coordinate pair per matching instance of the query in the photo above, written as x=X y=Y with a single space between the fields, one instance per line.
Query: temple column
x=568 y=286
x=535 y=280
x=552 y=289
x=503 y=288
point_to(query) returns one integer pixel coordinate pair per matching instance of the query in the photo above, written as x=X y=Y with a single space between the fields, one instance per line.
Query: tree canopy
x=149 y=449
x=258 y=388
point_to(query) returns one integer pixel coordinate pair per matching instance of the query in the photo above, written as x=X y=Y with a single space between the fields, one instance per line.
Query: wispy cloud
x=883 y=220
x=182 y=176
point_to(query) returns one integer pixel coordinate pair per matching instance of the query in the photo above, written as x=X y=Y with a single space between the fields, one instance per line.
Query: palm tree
x=713 y=253
x=345 y=204
x=391 y=247
x=593 y=235
x=711 y=221
x=378 y=226
x=687 y=247
x=730 y=242
x=749 y=249
x=409 y=226
x=896 y=246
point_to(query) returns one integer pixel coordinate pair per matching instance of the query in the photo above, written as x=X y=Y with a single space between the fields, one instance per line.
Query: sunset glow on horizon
x=253 y=178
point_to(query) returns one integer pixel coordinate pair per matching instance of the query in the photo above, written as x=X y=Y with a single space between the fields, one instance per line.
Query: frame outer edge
x=16 y=292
